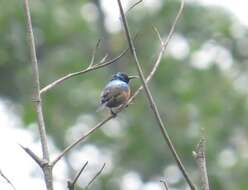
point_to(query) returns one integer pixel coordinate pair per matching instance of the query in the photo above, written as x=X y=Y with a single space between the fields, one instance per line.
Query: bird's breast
x=116 y=93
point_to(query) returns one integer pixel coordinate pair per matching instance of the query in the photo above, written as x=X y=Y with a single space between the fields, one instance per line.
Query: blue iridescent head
x=123 y=77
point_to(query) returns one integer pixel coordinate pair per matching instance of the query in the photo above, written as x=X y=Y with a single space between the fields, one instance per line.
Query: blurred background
x=200 y=87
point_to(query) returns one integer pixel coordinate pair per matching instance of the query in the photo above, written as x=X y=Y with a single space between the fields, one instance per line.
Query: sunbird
x=117 y=92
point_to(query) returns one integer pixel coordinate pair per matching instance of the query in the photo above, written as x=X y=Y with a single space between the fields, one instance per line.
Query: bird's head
x=123 y=77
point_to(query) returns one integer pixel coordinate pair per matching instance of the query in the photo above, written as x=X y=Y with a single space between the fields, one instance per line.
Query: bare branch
x=74 y=74
x=165 y=184
x=32 y=155
x=36 y=96
x=97 y=174
x=71 y=184
x=7 y=179
x=94 y=54
x=199 y=155
x=150 y=97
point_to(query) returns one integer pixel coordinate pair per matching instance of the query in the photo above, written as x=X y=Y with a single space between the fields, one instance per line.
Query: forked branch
x=47 y=170
x=91 y=67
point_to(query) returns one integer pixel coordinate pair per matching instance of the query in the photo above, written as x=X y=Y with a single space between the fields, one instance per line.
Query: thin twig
x=47 y=170
x=97 y=174
x=149 y=94
x=103 y=59
x=70 y=75
x=159 y=36
x=164 y=45
x=7 y=179
x=165 y=184
x=200 y=157
x=149 y=77
x=32 y=155
x=134 y=5
x=71 y=184
x=94 y=53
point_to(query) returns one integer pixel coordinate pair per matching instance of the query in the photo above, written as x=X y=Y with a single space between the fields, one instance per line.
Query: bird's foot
x=113 y=113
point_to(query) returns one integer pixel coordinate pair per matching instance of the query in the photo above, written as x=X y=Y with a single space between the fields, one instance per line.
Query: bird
x=117 y=92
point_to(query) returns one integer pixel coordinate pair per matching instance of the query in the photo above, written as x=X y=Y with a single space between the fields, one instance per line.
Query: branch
x=37 y=99
x=71 y=184
x=67 y=149
x=32 y=155
x=149 y=94
x=7 y=179
x=151 y=74
x=97 y=174
x=91 y=67
x=134 y=5
x=94 y=54
x=165 y=184
x=200 y=158
x=36 y=85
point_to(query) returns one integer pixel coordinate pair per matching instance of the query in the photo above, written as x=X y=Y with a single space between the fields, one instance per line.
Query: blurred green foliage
x=190 y=99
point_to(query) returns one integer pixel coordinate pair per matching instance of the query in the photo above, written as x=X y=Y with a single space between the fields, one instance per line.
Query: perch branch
x=47 y=170
x=71 y=184
x=67 y=149
x=200 y=157
x=91 y=67
x=7 y=179
x=151 y=74
x=97 y=174
x=149 y=94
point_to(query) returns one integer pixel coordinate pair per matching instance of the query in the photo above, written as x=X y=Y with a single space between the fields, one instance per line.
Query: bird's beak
x=132 y=77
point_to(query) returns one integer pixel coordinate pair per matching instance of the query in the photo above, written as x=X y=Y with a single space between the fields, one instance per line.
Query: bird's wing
x=109 y=93
x=107 y=97
x=113 y=90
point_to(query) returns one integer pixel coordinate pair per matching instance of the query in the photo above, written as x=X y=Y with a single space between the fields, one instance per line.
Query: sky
x=10 y=123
